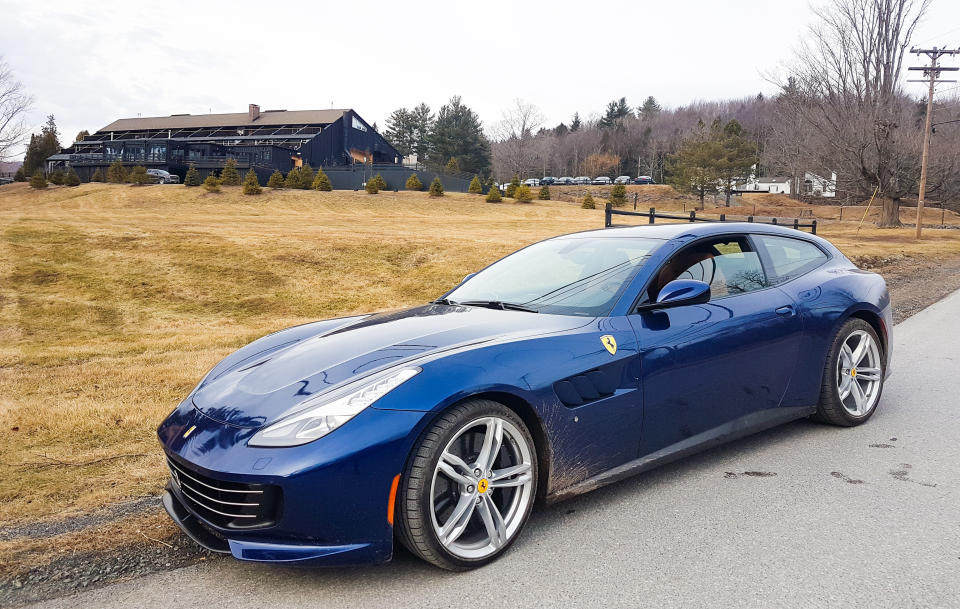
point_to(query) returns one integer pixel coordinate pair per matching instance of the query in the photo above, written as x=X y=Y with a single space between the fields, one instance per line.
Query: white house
x=813 y=185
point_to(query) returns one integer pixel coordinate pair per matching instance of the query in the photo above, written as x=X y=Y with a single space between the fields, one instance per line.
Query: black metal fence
x=652 y=216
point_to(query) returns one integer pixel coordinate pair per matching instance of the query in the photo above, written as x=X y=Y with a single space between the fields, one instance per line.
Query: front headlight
x=317 y=421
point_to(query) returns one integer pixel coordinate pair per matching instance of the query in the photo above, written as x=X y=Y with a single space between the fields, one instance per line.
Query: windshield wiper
x=498 y=304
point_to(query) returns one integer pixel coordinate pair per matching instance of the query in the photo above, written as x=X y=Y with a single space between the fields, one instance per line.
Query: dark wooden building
x=262 y=140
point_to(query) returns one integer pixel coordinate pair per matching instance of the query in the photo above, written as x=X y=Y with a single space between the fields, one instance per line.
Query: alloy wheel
x=859 y=373
x=482 y=486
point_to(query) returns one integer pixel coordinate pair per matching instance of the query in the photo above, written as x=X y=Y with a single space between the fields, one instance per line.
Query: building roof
x=232 y=119
x=775 y=180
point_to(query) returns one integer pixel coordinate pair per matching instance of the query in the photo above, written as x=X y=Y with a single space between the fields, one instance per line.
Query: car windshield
x=569 y=276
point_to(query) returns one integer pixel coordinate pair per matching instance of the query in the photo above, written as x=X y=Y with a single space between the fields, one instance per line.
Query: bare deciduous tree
x=847 y=93
x=14 y=105
x=515 y=132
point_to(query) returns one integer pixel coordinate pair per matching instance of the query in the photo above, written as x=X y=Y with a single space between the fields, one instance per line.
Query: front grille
x=228 y=505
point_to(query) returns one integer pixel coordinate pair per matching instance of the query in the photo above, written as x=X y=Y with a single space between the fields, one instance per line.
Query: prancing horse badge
x=609 y=343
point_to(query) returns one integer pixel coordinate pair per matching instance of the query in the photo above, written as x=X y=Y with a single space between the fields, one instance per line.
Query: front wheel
x=853 y=377
x=469 y=487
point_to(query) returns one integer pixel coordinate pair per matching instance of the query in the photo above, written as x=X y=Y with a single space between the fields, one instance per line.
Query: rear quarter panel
x=826 y=298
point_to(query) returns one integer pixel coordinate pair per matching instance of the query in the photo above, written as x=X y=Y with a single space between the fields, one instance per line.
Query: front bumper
x=335 y=491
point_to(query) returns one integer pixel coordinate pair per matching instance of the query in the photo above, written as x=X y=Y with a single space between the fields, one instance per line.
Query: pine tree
x=380 y=182
x=97 y=175
x=372 y=187
x=414 y=183
x=452 y=165
x=322 y=181
x=251 y=185
x=458 y=132
x=512 y=187
x=307 y=176
x=57 y=177
x=230 y=176
x=649 y=109
x=193 y=176
x=695 y=166
x=38 y=181
x=436 y=188
x=139 y=175
x=523 y=194
x=475 y=186
x=618 y=194
x=20 y=176
x=493 y=195
x=116 y=173
x=41 y=147
x=72 y=179
x=276 y=179
x=576 y=123
x=544 y=193
x=294 y=180
x=588 y=202
x=212 y=184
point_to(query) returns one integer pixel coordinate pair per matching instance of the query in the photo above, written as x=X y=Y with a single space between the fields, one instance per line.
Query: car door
x=709 y=368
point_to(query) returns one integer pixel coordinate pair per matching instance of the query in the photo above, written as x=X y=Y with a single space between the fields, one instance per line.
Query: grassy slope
x=114 y=300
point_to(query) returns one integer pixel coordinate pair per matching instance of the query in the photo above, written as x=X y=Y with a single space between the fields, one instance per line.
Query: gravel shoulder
x=914 y=285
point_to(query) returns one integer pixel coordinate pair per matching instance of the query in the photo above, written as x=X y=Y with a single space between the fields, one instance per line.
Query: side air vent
x=586 y=387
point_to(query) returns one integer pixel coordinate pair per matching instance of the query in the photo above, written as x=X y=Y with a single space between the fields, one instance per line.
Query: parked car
x=568 y=365
x=5 y=180
x=581 y=180
x=622 y=180
x=564 y=181
x=159 y=176
x=548 y=180
x=601 y=181
x=532 y=182
x=643 y=180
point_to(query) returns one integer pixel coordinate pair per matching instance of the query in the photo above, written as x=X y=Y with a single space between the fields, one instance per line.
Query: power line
x=932 y=74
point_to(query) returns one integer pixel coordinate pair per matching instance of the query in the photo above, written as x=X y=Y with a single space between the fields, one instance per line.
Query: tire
x=162 y=181
x=429 y=497
x=839 y=403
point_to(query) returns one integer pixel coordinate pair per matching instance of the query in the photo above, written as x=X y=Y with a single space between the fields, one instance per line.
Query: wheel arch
x=531 y=419
x=875 y=321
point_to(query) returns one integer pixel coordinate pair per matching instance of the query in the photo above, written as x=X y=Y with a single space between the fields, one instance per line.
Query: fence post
x=723 y=217
x=774 y=221
x=693 y=216
x=749 y=218
x=841 y=213
x=813 y=227
x=635 y=201
x=653 y=214
x=796 y=224
x=607 y=216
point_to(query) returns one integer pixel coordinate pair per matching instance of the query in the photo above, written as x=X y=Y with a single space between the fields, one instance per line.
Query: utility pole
x=932 y=75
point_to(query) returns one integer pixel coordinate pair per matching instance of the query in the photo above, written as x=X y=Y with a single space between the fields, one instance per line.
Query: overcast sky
x=90 y=63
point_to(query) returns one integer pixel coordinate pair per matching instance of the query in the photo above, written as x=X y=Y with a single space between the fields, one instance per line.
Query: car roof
x=673 y=231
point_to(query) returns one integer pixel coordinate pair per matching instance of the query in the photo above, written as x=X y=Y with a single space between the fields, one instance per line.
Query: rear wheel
x=853 y=377
x=469 y=488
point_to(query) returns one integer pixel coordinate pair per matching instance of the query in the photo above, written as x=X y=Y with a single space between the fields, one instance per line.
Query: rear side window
x=728 y=265
x=790 y=258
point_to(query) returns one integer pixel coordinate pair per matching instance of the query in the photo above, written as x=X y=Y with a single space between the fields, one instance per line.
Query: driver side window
x=729 y=265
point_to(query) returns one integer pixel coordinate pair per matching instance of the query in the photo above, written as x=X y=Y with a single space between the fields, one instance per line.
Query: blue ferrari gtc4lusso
x=570 y=364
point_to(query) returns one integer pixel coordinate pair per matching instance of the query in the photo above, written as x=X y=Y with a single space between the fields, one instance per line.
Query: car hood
x=259 y=390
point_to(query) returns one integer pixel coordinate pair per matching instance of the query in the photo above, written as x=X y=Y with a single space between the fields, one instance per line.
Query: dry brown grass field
x=114 y=300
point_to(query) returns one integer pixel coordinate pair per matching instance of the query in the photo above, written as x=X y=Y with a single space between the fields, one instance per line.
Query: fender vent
x=586 y=387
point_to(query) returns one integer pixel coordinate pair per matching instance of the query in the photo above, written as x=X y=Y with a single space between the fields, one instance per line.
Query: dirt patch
x=914 y=283
x=750 y=474
x=845 y=478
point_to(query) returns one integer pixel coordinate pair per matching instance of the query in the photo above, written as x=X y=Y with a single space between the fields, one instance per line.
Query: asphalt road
x=801 y=516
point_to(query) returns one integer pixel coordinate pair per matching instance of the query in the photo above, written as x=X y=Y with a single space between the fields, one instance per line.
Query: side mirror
x=467 y=277
x=678 y=293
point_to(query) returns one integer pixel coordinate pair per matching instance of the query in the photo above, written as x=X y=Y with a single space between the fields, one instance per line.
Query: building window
x=358 y=125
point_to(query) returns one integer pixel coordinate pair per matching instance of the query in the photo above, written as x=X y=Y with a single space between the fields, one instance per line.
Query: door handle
x=786 y=310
